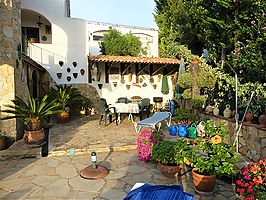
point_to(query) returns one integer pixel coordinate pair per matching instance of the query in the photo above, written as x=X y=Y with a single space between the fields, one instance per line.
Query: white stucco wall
x=72 y=42
x=112 y=93
x=69 y=41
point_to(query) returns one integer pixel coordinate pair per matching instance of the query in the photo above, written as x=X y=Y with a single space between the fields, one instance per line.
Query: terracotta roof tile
x=130 y=59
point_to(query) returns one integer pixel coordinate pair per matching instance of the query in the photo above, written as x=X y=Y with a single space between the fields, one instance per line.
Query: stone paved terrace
x=58 y=178
x=26 y=175
x=85 y=134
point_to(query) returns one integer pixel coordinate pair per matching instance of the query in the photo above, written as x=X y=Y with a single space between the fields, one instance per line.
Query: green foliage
x=116 y=44
x=183 y=115
x=217 y=154
x=86 y=103
x=232 y=30
x=172 y=153
x=198 y=100
x=32 y=113
x=205 y=80
x=65 y=95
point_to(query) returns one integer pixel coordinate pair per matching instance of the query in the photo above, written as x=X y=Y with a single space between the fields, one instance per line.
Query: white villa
x=68 y=48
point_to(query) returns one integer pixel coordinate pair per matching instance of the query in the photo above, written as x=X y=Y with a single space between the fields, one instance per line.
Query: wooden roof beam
x=159 y=69
x=143 y=69
x=128 y=65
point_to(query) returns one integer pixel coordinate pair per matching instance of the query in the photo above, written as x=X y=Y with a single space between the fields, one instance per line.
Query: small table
x=126 y=108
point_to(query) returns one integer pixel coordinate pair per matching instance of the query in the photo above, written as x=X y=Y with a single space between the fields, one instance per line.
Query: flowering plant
x=145 y=141
x=251 y=183
x=217 y=155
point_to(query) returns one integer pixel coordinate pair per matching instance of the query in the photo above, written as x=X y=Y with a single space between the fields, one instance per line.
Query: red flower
x=249 y=189
x=238 y=182
x=251 y=197
x=251 y=183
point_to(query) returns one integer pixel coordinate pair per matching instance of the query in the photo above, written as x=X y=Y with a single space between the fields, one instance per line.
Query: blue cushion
x=159 y=192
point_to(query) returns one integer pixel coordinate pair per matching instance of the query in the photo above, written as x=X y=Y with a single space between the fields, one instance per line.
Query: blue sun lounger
x=152 y=121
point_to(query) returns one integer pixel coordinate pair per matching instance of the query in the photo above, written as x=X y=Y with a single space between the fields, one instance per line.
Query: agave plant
x=65 y=95
x=32 y=113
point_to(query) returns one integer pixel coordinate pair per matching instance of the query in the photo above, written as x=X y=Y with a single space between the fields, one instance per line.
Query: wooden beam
x=90 y=76
x=128 y=65
x=159 y=69
x=171 y=72
x=107 y=71
x=143 y=68
x=137 y=71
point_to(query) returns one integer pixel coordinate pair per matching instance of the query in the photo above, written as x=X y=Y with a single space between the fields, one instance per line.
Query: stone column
x=10 y=61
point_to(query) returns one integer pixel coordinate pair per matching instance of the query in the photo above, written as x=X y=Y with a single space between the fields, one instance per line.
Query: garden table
x=130 y=108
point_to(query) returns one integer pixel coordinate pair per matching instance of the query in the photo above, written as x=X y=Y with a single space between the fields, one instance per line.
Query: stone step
x=20 y=150
x=87 y=151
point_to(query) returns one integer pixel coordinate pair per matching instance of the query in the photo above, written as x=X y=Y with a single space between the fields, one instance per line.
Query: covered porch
x=127 y=76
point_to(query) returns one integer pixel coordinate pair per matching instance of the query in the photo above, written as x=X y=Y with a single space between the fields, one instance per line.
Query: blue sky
x=125 y=12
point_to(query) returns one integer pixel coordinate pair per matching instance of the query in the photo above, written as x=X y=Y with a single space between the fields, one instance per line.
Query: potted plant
x=65 y=95
x=183 y=116
x=216 y=157
x=33 y=115
x=171 y=156
x=3 y=141
x=145 y=141
x=86 y=106
x=251 y=182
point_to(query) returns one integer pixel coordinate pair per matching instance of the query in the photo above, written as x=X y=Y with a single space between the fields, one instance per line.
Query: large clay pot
x=262 y=121
x=63 y=117
x=249 y=118
x=34 y=137
x=170 y=171
x=202 y=183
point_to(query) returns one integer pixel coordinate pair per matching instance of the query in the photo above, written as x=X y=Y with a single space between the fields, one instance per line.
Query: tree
x=233 y=31
x=116 y=44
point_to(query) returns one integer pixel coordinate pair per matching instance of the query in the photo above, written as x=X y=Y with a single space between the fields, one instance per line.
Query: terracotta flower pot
x=170 y=171
x=249 y=118
x=63 y=117
x=202 y=183
x=34 y=137
x=59 y=75
x=128 y=87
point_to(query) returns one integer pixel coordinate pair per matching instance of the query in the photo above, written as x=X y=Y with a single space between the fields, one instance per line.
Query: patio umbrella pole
x=237 y=133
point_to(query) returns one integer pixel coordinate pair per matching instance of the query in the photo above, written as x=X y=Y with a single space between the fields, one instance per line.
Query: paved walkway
x=85 y=134
x=57 y=176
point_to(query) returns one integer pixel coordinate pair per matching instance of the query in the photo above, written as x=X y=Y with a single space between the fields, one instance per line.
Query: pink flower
x=264 y=28
x=247 y=177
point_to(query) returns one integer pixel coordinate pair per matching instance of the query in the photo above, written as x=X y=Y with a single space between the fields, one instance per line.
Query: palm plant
x=65 y=95
x=32 y=113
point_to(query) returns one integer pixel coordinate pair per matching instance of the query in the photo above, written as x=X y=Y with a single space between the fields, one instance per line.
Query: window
x=32 y=34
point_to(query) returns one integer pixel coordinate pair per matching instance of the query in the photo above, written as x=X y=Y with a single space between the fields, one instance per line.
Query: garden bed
x=252 y=138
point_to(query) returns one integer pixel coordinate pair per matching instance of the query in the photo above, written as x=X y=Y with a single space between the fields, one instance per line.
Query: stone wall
x=10 y=60
x=252 y=138
x=90 y=92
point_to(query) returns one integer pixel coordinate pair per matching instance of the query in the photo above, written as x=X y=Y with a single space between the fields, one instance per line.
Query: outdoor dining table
x=130 y=108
